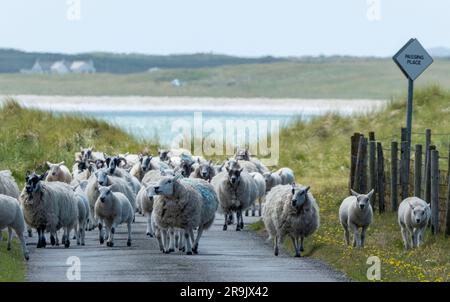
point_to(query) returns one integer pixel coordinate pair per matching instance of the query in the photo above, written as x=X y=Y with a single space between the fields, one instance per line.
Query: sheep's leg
x=52 y=239
x=301 y=244
x=356 y=237
x=181 y=245
x=277 y=240
x=177 y=240
x=187 y=242
x=149 y=231
x=158 y=237
x=260 y=207
x=9 y=238
x=164 y=241
x=129 y=234
x=295 y=244
x=67 y=237
x=415 y=239
x=346 y=234
x=229 y=218
x=112 y=231
x=197 y=240
x=246 y=212
x=23 y=243
x=41 y=238
x=404 y=236
x=363 y=235
x=100 y=232
x=225 y=225
x=171 y=240
x=30 y=231
x=254 y=209
x=239 y=220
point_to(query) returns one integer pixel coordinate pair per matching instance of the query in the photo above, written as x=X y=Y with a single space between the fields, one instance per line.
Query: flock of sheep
x=179 y=194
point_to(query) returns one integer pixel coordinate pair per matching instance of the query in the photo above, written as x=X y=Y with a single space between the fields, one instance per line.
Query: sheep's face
x=186 y=168
x=145 y=163
x=54 y=169
x=268 y=178
x=113 y=164
x=418 y=214
x=242 y=154
x=299 y=196
x=99 y=164
x=163 y=155
x=363 y=200
x=205 y=169
x=86 y=153
x=33 y=182
x=102 y=177
x=167 y=172
x=234 y=174
x=104 y=193
x=165 y=186
x=150 y=189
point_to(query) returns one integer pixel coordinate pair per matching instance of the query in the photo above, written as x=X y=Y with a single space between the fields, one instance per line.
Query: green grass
x=319 y=152
x=338 y=78
x=28 y=138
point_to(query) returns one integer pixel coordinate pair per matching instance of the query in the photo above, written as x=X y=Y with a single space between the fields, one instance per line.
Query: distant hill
x=440 y=52
x=12 y=61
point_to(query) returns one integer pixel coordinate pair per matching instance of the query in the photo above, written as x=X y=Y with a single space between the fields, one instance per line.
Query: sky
x=236 y=27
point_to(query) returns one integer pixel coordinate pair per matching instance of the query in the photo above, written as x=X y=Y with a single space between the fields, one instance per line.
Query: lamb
x=58 y=172
x=145 y=200
x=261 y=192
x=92 y=191
x=113 y=209
x=178 y=205
x=287 y=176
x=291 y=210
x=356 y=212
x=83 y=214
x=205 y=170
x=236 y=191
x=8 y=186
x=49 y=206
x=11 y=216
x=413 y=217
x=273 y=179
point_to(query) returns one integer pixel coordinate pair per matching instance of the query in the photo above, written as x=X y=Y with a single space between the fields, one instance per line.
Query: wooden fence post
x=447 y=218
x=427 y=194
x=373 y=171
x=394 y=174
x=418 y=171
x=434 y=191
x=427 y=157
x=380 y=178
x=353 y=157
x=404 y=176
x=360 y=184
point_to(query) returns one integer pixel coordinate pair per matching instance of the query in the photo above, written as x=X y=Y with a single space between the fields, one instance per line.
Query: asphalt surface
x=227 y=256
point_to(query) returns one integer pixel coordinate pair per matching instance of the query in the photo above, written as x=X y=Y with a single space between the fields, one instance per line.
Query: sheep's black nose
x=53 y=173
x=102 y=199
x=417 y=220
x=361 y=206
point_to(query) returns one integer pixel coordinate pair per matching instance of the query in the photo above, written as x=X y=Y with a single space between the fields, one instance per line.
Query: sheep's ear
x=61 y=163
x=210 y=162
x=43 y=176
x=190 y=165
x=198 y=160
x=27 y=173
x=369 y=195
x=81 y=149
x=242 y=169
x=354 y=193
x=49 y=164
x=411 y=206
x=307 y=189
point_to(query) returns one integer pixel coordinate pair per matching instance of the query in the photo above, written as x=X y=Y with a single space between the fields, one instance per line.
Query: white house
x=41 y=67
x=82 y=67
x=60 y=67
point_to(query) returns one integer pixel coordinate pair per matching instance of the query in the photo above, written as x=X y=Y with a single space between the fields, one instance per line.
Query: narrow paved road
x=223 y=256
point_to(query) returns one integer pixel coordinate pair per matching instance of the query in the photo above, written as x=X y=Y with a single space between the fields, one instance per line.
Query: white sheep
x=11 y=216
x=236 y=191
x=290 y=210
x=49 y=206
x=83 y=214
x=58 y=172
x=273 y=179
x=261 y=192
x=144 y=200
x=413 y=217
x=287 y=176
x=356 y=212
x=205 y=170
x=111 y=210
x=178 y=205
x=119 y=184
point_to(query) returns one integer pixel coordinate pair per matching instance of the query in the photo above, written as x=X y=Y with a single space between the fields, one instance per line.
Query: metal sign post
x=412 y=59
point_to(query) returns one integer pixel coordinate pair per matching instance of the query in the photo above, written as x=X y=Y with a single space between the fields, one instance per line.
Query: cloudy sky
x=236 y=27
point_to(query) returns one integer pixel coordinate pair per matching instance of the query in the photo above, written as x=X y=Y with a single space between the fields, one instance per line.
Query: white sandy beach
x=227 y=105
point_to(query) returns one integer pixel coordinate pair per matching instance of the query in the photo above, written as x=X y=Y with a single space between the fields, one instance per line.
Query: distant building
x=153 y=69
x=60 y=67
x=82 y=67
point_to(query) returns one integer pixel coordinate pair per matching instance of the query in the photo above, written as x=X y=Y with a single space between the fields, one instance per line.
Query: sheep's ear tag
x=307 y=189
